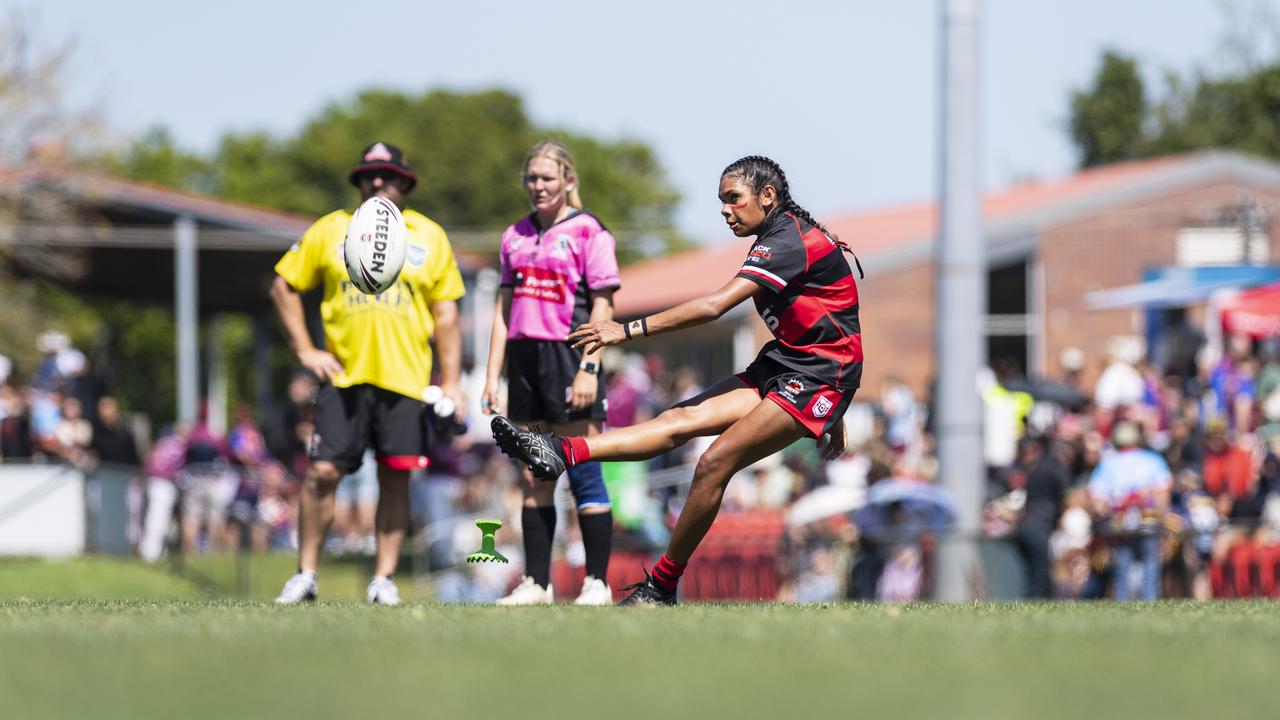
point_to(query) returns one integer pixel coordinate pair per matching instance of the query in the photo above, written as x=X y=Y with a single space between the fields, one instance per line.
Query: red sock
x=575 y=450
x=667 y=572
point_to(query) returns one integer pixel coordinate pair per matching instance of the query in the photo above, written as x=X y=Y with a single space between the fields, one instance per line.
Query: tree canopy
x=466 y=147
x=1114 y=119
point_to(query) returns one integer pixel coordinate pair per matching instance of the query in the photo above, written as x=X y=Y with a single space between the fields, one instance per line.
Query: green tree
x=155 y=158
x=1107 y=118
x=467 y=148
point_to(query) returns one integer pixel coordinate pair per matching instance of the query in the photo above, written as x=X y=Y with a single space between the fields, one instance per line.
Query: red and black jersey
x=810 y=301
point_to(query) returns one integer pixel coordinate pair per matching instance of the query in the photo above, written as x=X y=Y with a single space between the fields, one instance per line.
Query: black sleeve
x=775 y=260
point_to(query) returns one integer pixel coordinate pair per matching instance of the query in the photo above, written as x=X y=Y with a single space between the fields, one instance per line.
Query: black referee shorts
x=540 y=377
x=350 y=419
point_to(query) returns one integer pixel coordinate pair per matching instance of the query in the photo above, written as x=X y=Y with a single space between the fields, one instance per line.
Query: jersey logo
x=761 y=251
x=540 y=284
x=564 y=244
x=417 y=255
x=821 y=407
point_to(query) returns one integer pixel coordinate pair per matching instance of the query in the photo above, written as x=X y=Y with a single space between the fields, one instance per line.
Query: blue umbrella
x=898 y=508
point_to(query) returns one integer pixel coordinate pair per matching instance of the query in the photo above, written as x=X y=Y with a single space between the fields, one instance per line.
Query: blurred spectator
x=1072 y=361
x=1120 y=384
x=1228 y=469
x=355 y=508
x=1044 y=481
x=15 y=425
x=289 y=427
x=73 y=433
x=902 y=414
x=1269 y=377
x=112 y=443
x=161 y=466
x=1130 y=492
x=209 y=485
x=1233 y=391
x=6 y=369
x=628 y=388
x=47 y=377
x=46 y=414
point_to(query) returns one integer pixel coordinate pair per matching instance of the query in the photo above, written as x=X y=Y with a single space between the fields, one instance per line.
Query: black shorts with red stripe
x=350 y=419
x=818 y=405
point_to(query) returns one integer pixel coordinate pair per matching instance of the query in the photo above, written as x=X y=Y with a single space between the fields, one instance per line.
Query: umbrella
x=1048 y=391
x=923 y=507
x=824 y=502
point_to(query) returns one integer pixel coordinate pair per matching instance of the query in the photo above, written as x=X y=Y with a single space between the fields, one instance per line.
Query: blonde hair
x=562 y=157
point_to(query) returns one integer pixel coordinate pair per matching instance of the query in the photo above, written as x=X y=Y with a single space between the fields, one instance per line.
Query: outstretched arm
x=595 y=335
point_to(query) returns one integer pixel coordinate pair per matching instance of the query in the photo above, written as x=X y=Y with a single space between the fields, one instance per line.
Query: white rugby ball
x=375 y=245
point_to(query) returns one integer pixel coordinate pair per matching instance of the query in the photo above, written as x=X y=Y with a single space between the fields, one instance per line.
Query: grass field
x=184 y=659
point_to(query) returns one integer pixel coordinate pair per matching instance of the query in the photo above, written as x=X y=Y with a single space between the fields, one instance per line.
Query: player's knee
x=714 y=465
x=324 y=476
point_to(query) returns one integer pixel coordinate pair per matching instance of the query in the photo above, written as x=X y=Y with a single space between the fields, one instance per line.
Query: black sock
x=539 y=529
x=597 y=540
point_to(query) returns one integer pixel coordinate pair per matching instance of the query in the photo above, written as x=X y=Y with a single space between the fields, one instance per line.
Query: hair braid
x=758 y=171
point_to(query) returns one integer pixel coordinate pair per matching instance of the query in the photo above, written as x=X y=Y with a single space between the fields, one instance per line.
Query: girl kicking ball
x=799 y=385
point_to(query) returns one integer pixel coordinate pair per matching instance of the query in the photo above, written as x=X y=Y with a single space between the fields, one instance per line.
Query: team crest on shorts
x=821 y=407
x=791 y=389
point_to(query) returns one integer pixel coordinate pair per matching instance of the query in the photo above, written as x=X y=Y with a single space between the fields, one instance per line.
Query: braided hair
x=757 y=171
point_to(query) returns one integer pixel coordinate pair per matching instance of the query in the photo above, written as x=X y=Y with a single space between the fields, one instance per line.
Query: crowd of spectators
x=1160 y=480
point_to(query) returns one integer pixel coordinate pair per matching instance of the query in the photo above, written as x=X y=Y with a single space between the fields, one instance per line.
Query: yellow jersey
x=380 y=339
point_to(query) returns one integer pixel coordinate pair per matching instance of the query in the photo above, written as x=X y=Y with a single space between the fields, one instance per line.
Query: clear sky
x=843 y=94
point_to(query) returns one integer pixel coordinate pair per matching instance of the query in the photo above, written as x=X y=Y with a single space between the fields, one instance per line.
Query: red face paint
x=739 y=206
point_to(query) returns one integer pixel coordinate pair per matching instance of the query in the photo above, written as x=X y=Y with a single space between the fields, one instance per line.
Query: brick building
x=1051 y=245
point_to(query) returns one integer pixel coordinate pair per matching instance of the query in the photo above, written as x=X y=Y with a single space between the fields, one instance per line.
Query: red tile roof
x=671 y=280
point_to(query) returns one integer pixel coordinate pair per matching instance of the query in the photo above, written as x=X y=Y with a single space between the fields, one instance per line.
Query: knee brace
x=587 y=483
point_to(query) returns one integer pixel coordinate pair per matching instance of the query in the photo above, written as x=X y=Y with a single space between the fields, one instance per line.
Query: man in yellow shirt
x=374 y=367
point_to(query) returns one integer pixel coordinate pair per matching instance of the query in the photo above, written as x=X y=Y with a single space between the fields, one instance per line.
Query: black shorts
x=817 y=405
x=540 y=377
x=350 y=419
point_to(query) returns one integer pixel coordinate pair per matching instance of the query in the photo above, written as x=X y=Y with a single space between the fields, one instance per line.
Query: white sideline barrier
x=42 y=511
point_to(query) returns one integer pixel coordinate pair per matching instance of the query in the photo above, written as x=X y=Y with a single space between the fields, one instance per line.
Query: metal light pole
x=961 y=300
x=187 y=294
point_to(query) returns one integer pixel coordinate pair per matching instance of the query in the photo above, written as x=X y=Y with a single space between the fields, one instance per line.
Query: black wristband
x=626 y=328
x=644 y=325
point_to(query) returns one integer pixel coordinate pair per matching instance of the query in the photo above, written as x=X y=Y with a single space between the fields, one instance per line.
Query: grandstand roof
x=128 y=234
x=892 y=238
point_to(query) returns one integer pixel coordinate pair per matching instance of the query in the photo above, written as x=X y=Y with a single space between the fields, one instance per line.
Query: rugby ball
x=375 y=246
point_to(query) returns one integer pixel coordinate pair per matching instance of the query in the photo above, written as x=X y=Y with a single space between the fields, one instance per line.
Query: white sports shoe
x=300 y=588
x=594 y=592
x=529 y=592
x=383 y=591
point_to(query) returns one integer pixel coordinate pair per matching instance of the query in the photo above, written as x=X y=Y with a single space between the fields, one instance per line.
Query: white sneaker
x=529 y=592
x=594 y=592
x=300 y=588
x=383 y=591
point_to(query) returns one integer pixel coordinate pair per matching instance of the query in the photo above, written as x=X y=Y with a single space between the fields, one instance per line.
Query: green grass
x=218 y=660
x=203 y=577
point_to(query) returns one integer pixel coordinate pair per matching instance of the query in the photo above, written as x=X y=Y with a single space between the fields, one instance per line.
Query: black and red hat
x=383 y=156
